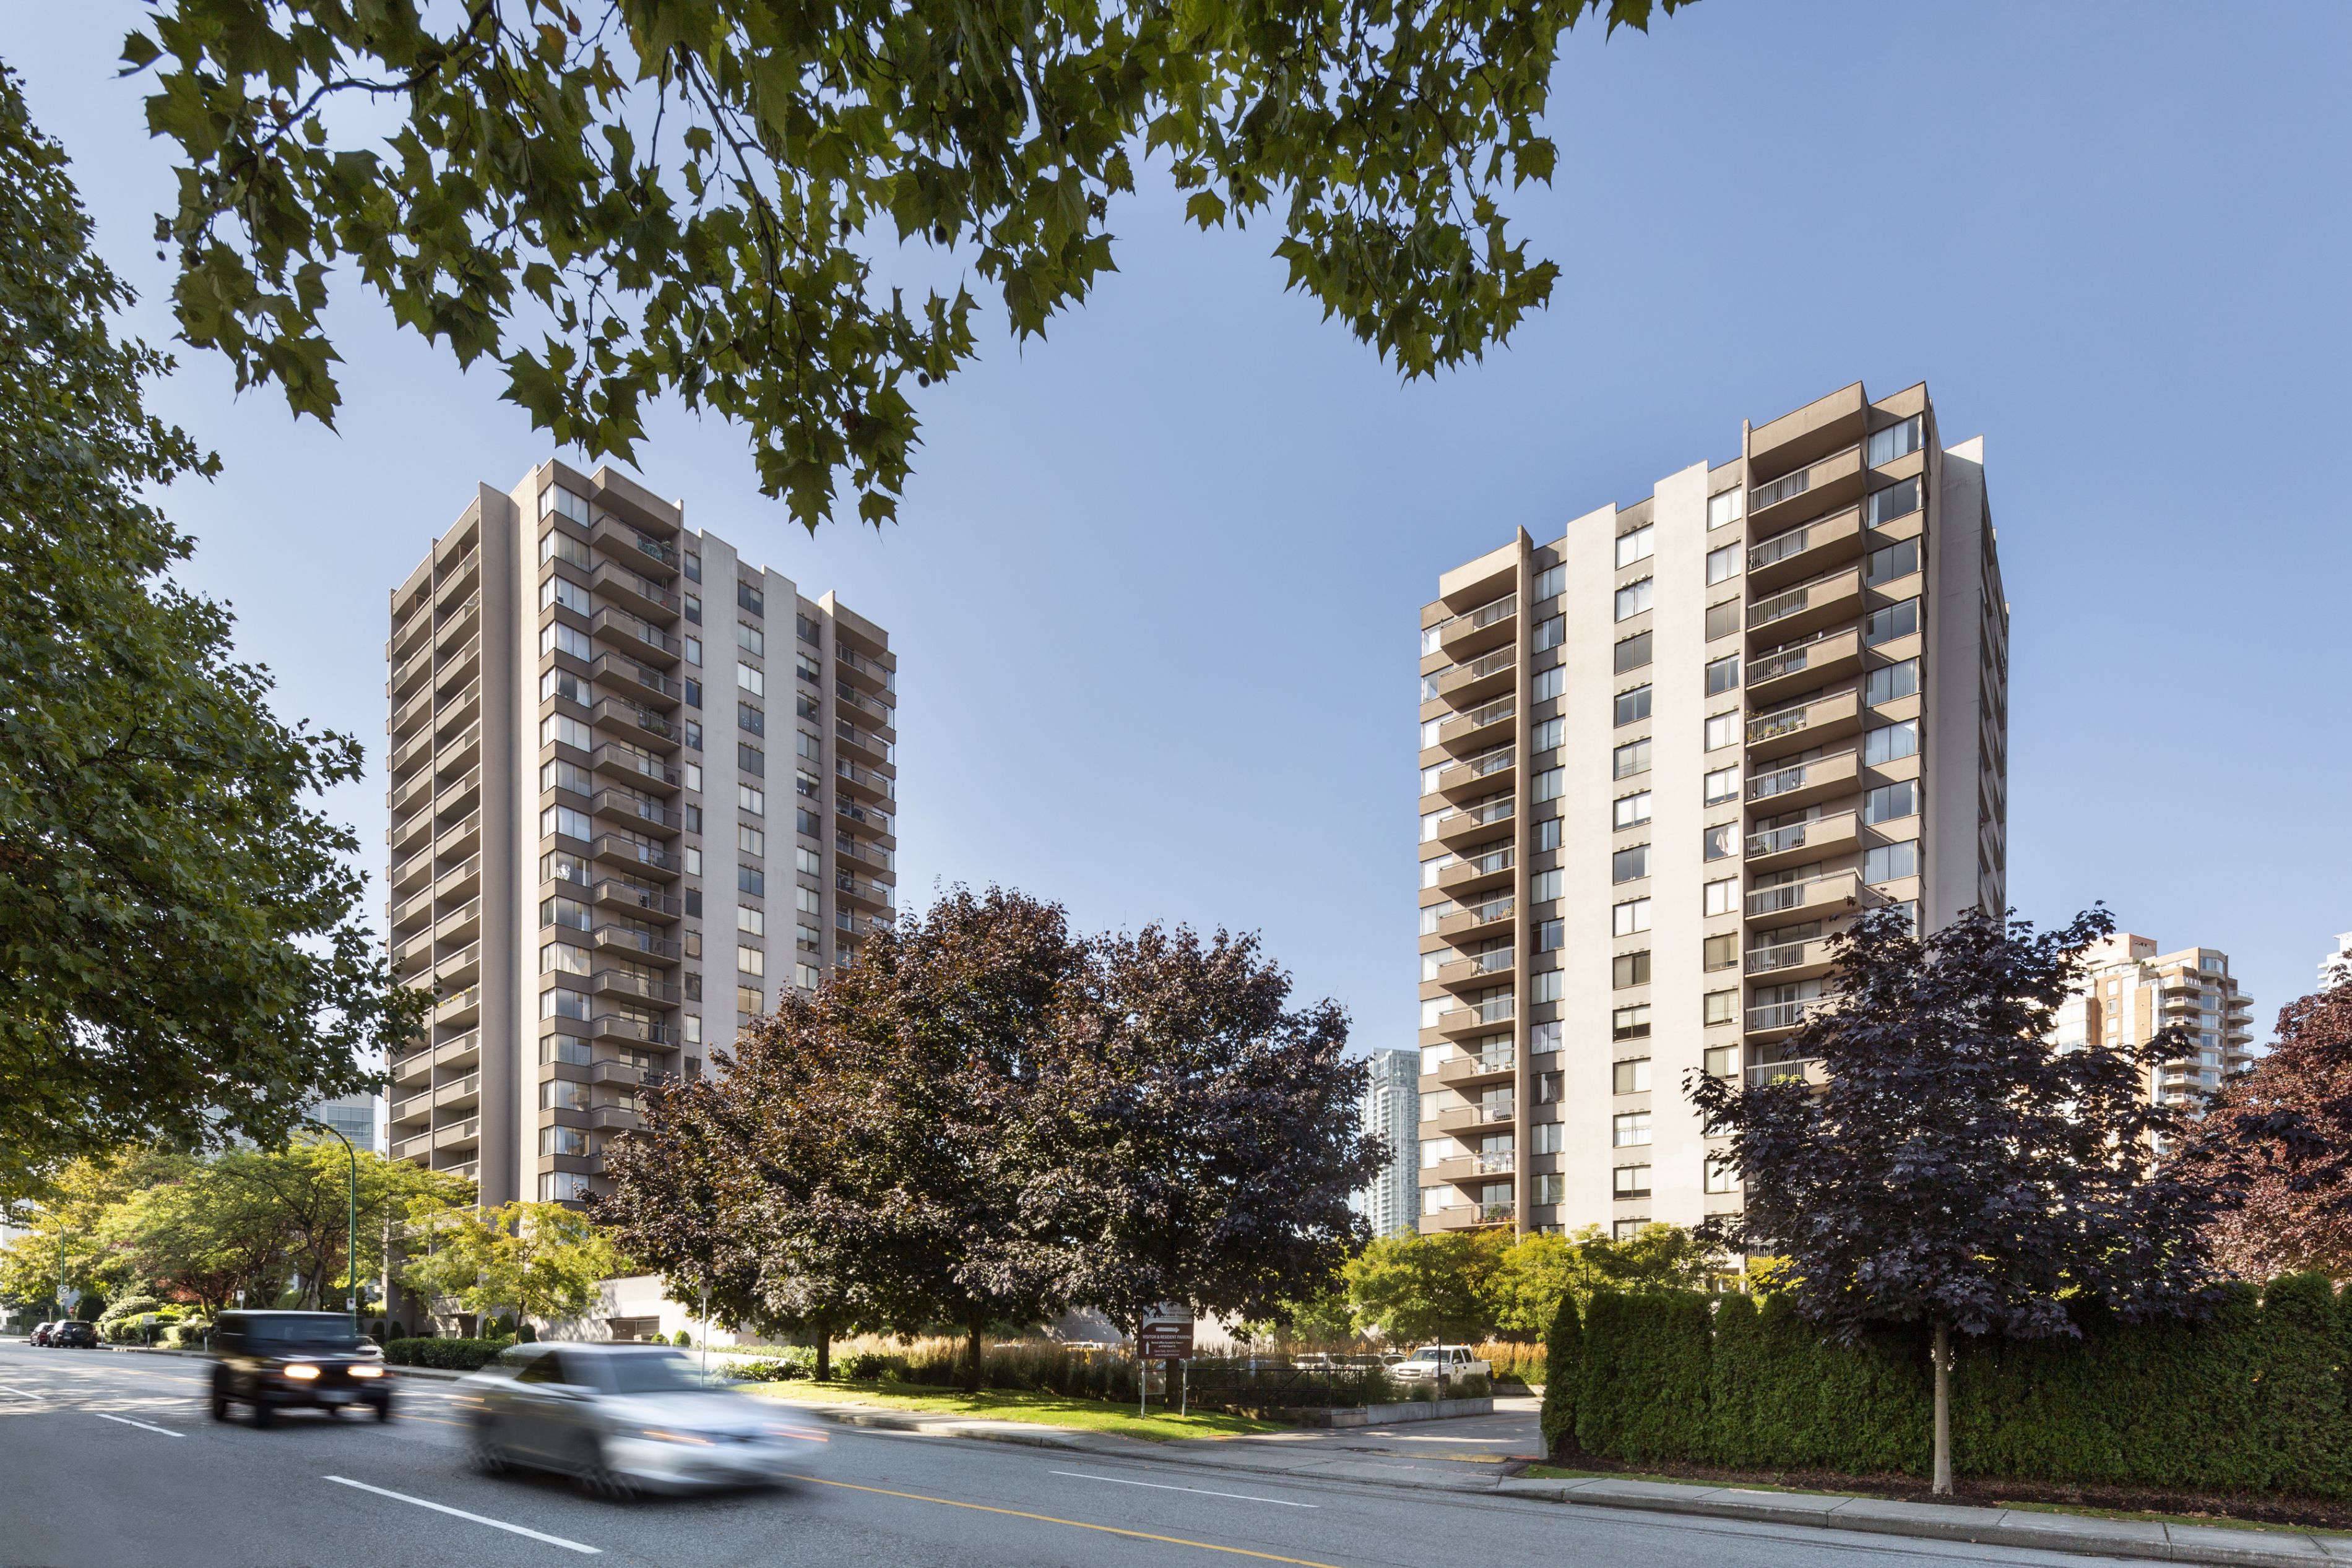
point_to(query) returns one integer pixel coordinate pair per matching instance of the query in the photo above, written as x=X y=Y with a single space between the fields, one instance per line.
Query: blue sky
x=1156 y=583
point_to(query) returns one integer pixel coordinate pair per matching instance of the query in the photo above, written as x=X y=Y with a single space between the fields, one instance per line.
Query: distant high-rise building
x=353 y=1116
x=2129 y=991
x=2336 y=967
x=1391 y=1110
x=621 y=755
x=1664 y=754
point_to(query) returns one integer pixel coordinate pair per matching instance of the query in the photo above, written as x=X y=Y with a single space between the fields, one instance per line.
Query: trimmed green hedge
x=448 y=1355
x=2256 y=1398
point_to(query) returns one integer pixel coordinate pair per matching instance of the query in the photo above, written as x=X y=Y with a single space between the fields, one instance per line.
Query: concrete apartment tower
x=2336 y=967
x=2130 y=991
x=1663 y=757
x=638 y=786
x=1391 y=1109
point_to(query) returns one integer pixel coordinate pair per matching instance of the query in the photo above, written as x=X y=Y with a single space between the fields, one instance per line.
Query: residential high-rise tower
x=2129 y=991
x=638 y=784
x=1663 y=757
x=1390 y=1109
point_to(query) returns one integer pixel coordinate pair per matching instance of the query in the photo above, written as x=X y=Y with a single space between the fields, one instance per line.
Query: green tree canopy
x=688 y=196
x=542 y=1260
x=1414 y=1288
x=180 y=957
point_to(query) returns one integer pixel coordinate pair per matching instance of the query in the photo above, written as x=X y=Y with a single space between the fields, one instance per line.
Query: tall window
x=1722 y=507
x=1548 y=783
x=1630 y=810
x=1631 y=758
x=1630 y=864
x=1722 y=620
x=1722 y=564
x=1633 y=706
x=1634 y=598
x=1721 y=897
x=1630 y=969
x=1895 y=441
x=1720 y=953
x=1549 y=581
x=1626 y=918
x=1888 y=742
x=1549 y=632
x=1719 y=786
x=1893 y=502
x=1722 y=730
x=1884 y=625
x=1722 y=674
x=1898 y=559
x=1890 y=682
x=1889 y=863
x=1890 y=802
x=1633 y=653
x=1719 y=841
x=1641 y=544
x=1546 y=684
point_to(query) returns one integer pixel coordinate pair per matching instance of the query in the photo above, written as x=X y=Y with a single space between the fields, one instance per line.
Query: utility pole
x=351 y=1247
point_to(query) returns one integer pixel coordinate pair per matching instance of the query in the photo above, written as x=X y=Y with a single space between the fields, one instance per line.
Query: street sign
x=1166 y=1334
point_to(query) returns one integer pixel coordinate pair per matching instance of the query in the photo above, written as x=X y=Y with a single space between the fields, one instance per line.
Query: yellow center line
x=1073 y=1523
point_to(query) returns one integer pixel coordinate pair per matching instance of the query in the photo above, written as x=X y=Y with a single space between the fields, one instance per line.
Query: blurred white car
x=619 y=1418
x=1453 y=1360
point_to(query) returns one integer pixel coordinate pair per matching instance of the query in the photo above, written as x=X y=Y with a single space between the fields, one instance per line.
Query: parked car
x=40 y=1334
x=73 y=1335
x=621 y=1417
x=269 y=1362
x=1431 y=1360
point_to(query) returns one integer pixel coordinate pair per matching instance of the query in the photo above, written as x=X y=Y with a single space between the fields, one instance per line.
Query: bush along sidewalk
x=445 y=1355
x=2255 y=1401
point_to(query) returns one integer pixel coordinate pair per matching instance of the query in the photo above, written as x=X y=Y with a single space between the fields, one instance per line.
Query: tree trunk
x=979 y=1327
x=823 y=1327
x=1943 y=1356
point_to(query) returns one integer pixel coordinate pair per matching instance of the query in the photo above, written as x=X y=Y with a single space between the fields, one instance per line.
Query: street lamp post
x=351 y=1249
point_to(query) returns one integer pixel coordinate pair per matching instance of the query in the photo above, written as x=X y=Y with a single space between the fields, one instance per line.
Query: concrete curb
x=1028 y=1434
x=1939 y=1521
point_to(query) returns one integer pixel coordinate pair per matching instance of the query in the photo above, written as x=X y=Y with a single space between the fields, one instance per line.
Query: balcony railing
x=879 y=821
x=1779 y=956
x=1779 y=490
x=1492 y=1165
x=623 y=983
x=1487 y=863
x=851 y=696
x=887 y=787
x=1781 y=1015
x=1496 y=1213
x=618 y=890
x=868 y=741
x=1779 y=547
x=1479 y=668
x=866 y=666
x=1485 y=814
x=629 y=939
x=628 y=760
x=622 y=623
x=1484 y=715
x=449 y=1007
x=620 y=846
x=1790 y=894
x=620 y=667
x=629 y=803
x=1492 y=910
x=1486 y=762
x=1788 y=661
x=1765 y=1072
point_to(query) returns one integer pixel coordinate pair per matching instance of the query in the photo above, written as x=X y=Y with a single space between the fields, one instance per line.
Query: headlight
x=365 y=1371
x=303 y=1371
x=661 y=1436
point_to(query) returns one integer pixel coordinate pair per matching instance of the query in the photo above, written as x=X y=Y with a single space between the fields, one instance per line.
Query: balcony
x=1774 y=1020
x=416 y=709
x=463 y=749
x=462 y=1095
x=621 y=983
x=1487 y=1114
x=415 y=790
x=414 y=1148
x=1823 y=486
x=461 y=624
x=1480 y=1018
x=455 y=1012
x=415 y=829
x=410 y=752
x=458 y=1136
x=627 y=634
x=456 y=579
x=1474 y=822
x=872 y=673
x=851 y=850
x=1479 y=972
x=1808 y=725
x=851 y=697
x=614 y=893
x=1455 y=1071
x=464 y=1050
x=461 y=706
x=636 y=853
x=865 y=743
x=1488 y=676
x=866 y=783
x=407 y=915
x=1482 y=727
x=1495 y=1165
x=410 y=874
x=635 y=593
x=1805 y=1070
x=642 y=769
x=460 y=968
x=613 y=536
x=637 y=682
x=614 y=1118
x=1796 y=613
x=1839 y=893
x=1824 y=657
x=614 y=1026
x=634 y=943
x=628 y=806
x=1807 y=552
x=873 y=895
x=1485 y=919
x=622 y=1072
x=1810 y=433
x=1475 y=631
x=460 y=923
x=1789 y=961
x=1806 y=783
x=866 y=817
x=642 y=725
x=459 y=882
x=1481 y=774
x=1783 y=846
x=412 y=1108
x=1480 y=873
x=412 y=1067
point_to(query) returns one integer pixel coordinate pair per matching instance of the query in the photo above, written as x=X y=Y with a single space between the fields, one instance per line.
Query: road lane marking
x=21 y=1393
x=1156 y=1485
x=142 y=1425
x=477 y=1519
x=1073 y=1523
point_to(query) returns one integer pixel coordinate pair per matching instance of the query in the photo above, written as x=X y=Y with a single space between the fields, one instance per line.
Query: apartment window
x=1641 y=544
x=1719 y=786
x=1429 y=732
x=1633 y=706
x=1549 y=633
x=1429 y=820
x=1719 y=1176
x=1631 y=1076
x=1722 y=620
x=1543 y=1037
x=562 y=775
x=1547 y=734
x=751 y=921
x=747 y=999
x=1547 y=684
x=1432 y=1009
x=1888 y=742
x=1893 y=502
x=749 y=759
x=1630 y=969
x=694 y=650
x=1630 y=864
x=805 y=629
x=1629 y=1129
x=1549 y=581
x=808 y=707
x=1433 y=962
x=1895 y=441
x=1549 y=1088
x=1721 y=897
x=1634 y=598
x=562 y=1004
x=564 y=912
x=1719 y=841
x=1630 y=1181
x=1723 y=675
x=806 y=976
x=1722 y=1060
x=693 y=734
x=807 y=938
x=1719 y=1007
x=1429 y=778
x=1631 y=1023
x=564 y=820
x=1548 y=935
x=562 y=1141
x=1724 y=506
x=1722 y=730
x=1626 y=918
x=751 y=598
x=751 y=680
x=1630 y=759
x=560 y=638
x=694 y=608
x=557 y=866
x=1884 y=625
x=1634 y=652
x=1545 y=987
x=1630 y=810
x=557 y=545
x=1890 y=682
x=750 y=719
x=1544 y=885
x=1431 y=868
x=563 y=959
x=1889 y=802
x=1887 y=564
x=751 y=879
x=563 y=1095
x=693 y=865
x=1720 y=952
x=693 y=567
x=754 y=802
x=565 y=684
x=1547 y=834
x=1547 y=784
x=806 y=668
x=1889 y=862
x=564 y=591
x=749 y=960
x=693 y=693
x=1549 y=1187
x=1722 y=564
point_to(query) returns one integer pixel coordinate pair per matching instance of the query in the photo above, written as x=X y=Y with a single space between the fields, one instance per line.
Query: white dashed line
x=141 y=1425
x=477 y=1519
x=1155 y=1485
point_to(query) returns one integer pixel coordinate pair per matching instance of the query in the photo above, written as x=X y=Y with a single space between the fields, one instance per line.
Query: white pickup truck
x=1453 y=1360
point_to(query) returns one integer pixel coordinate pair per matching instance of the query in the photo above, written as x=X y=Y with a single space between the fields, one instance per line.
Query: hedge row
x=2255 y=1398
x=448 y=1354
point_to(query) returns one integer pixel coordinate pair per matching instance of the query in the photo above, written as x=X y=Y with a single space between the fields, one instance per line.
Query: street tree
x=537 y=1261
x=2276 y=1144
x=208 y=1234
x=180 y=947
x=1956 y=1169
x=1217 y=1129
x=67 y=1237
x=691 y=196
x=1414 y=1288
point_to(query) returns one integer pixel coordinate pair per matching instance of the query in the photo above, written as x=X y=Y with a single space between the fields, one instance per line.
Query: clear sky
x=1156 y=584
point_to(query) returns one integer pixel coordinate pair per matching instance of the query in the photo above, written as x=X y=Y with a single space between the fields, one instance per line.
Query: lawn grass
x=1014 y=1405
x=2084 y=1510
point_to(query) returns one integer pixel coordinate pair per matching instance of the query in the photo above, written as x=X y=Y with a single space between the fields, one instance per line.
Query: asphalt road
x=109 y=1461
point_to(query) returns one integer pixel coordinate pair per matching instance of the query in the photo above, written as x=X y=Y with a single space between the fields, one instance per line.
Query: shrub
x=872 y=1366
x=682 y=1339
x=787 y=1365
x=128 y=1307
x=191 y=1334
x=447 y=1354
x=1643 y=1394
x=1564 y=1361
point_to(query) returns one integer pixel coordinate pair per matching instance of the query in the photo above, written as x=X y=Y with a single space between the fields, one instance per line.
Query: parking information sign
x=1166 y=1334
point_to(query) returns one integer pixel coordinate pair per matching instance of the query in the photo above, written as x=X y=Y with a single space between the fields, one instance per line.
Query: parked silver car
x=621 y=1417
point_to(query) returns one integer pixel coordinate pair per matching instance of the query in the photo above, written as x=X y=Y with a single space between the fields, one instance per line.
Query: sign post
x=1166 y=1334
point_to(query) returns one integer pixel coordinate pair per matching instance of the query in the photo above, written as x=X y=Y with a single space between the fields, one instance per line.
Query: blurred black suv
x=73 y=1336
x=270 y=1361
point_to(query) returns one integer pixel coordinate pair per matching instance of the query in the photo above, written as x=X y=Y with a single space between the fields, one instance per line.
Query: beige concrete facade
x=1663 y=757
x=638 y=786
x=2130 y=991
